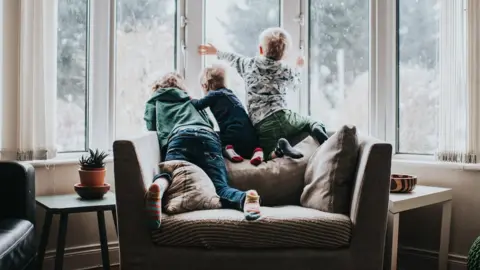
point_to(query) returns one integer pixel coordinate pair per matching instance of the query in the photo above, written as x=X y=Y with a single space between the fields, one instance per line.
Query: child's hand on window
x=300 y=61
x=207 y=49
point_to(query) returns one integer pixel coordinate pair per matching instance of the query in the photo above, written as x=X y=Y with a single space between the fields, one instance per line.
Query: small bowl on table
x=91 y=192
x=402 y=183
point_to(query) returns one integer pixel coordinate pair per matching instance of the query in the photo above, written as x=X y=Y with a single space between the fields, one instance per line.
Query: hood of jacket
x=169 y=95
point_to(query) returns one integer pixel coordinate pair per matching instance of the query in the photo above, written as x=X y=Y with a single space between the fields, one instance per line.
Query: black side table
x=64 y=205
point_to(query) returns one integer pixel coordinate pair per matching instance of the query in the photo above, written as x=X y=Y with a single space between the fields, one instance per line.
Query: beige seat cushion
x=280 y=227
x=191 y=189
x=330 y=172
x=279 y=181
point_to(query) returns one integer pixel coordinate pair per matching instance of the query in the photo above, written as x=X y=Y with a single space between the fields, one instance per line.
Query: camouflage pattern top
x=266 y=83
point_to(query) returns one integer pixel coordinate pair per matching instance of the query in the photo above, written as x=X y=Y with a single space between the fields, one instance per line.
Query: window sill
x=63 y=159
x=429 y=161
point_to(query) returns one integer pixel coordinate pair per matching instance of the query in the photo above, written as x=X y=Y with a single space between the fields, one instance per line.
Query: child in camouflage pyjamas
x=267 y=80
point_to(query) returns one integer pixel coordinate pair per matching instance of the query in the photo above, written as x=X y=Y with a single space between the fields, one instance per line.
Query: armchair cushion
x=279 y=227
x=17 y=247
x=330 y=173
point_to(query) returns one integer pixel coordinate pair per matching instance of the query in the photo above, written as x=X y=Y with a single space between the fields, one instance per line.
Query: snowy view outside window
x=145 y=50
x=234 y=26
x=339 y=66
x=71 y=77
x=339 y=61
x=339 y=52
x=419 y=75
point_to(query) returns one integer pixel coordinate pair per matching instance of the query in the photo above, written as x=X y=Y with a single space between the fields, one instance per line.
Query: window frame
x=378 y=63
x=101 y=74
x=87 y=85
x=294 y=16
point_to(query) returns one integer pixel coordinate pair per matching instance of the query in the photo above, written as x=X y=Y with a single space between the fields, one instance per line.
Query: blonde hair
x=275 y=42
x=214 y=77
x=170 y=80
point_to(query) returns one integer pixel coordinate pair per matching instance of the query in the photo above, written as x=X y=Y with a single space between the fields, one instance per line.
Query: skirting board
x=82 y=257
x=414 y=258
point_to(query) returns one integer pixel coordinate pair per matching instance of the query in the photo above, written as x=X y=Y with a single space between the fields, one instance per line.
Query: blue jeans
x=203 y=148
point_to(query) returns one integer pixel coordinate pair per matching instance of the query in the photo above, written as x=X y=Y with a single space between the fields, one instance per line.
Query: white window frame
x=101 y=71
x=190 y=33
x=383 y=57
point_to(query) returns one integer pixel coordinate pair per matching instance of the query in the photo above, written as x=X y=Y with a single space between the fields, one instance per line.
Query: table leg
x=114 y=215
x=391 y=243
x=445 y=235
x=44 y=239
x=103 y=240
x=62 y=233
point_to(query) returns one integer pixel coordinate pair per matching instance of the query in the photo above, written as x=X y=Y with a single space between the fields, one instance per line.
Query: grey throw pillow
x=191 y=188
x=330 y=172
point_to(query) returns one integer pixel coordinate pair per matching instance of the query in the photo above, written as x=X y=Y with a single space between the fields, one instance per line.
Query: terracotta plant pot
x=92 y=177
x=91 y=193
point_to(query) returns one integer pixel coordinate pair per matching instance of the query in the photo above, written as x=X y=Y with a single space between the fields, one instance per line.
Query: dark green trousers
x=282 y=124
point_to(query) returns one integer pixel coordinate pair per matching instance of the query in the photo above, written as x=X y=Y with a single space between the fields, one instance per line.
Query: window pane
x=234 y=25
x=145 y=47
x=418 y=89
x=339 y=57
x=71 y=75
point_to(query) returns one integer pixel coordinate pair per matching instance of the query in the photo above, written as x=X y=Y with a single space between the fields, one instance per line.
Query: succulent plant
x=95 y=160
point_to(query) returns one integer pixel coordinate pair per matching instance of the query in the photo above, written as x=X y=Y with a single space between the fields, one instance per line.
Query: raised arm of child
x=294 y=75
x=239 y=62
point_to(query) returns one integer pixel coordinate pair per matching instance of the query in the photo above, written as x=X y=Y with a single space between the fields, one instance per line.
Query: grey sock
x=286 y=149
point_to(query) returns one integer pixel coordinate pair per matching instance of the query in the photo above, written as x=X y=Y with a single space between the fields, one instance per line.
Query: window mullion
x=292 y=20
x=372 y=80
x=304 y=39
x=385 y=72
x=194 y=31
x=180 y=36
x=112 y=74
x=99 y=90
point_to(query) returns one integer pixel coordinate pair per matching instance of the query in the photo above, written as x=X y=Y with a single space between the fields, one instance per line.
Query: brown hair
x=213 y=77
x=275 y=42
x=170 y=80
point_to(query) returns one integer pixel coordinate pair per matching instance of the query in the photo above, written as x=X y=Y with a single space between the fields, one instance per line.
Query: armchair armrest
x=135 y=163
x=17 y=190
x=369 y=206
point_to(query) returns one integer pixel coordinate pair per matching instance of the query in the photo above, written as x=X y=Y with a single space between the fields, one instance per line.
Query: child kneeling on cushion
x=237 y=133
x=184 y=133
x=267 y=79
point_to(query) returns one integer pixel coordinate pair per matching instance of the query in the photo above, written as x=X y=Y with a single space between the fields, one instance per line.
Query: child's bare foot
x=232 y=155
x=257 y=158
x=251 y=208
